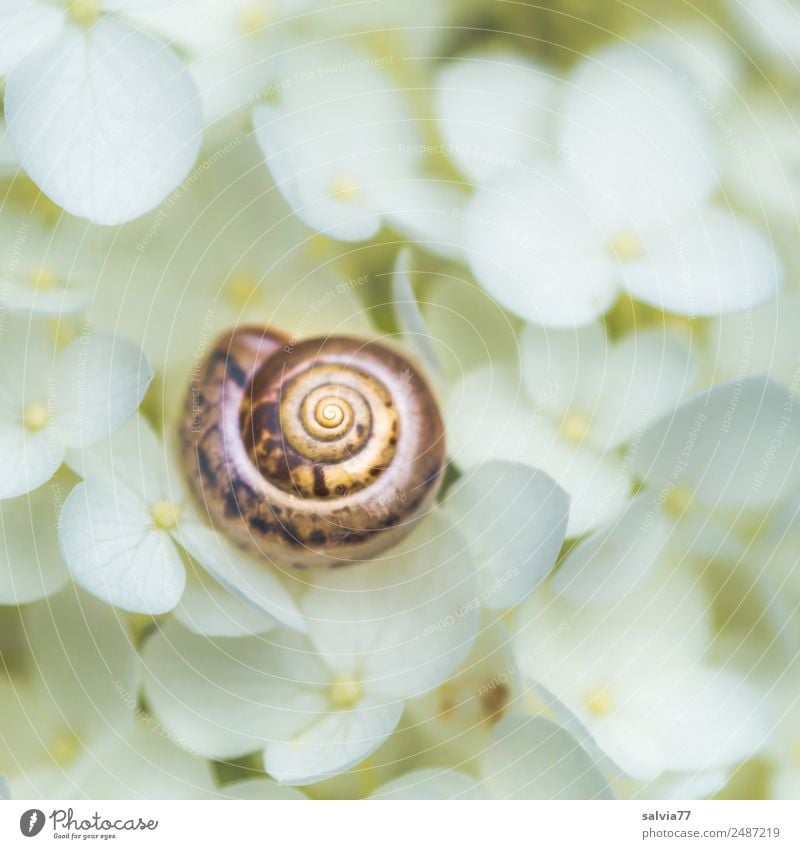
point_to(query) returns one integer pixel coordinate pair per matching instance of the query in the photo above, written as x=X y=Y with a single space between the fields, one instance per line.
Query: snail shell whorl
x=320 y=452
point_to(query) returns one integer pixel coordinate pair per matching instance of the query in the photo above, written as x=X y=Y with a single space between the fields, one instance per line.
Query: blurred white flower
x=625 y=206
x=581 y=398
x=104 y=118
x=377 y=635
x=47 y=268
x=51 y=400
x=124 y=530
x=344 y=149
x=728 y=452
x=525 y=758
x=629 y=679
x=772 y=26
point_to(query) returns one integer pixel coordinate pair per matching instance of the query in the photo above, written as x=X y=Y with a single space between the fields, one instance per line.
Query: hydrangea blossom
x=103 y=117
x=52 y=400
x=624 y=205
x=377 y=635
x=127 y=527
x=525 y=758
x=581 y=398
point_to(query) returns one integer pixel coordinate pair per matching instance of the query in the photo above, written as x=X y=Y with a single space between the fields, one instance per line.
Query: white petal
x=333 y=744
x=613 y=559
x=112 y=549
x=487 y=417
x=514 y=518
x=31 y=566
x=27 y=458
x=142 y=763
x=334 y=139
x=226 y=697
x=428 y=212
x=705 y=262
x=206 y=607
x=401 y=624
x=26 y=25
x=737 y=444
x=409 y=317
x=534 y=758
x=100 y=382
x=636 y=134
x=648 y=374
x=431 y=784
x=535 y=243
x=253 y=580
x=106 y=122
x=495 y=112
x=85 y=658
x=564 y=369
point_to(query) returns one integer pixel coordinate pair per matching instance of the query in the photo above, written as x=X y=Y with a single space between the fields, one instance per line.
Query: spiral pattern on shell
x=322 y=452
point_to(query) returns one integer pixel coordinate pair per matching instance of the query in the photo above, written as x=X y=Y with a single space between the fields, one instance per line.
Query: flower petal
x=100 y=382
x=614 y=558
x=634 y=132
x=534 y=758
x=227 y=697
x=25 y=26
x=27 y=458
x=404 y=623
x=534 y=242
x=495 y=112
x=106 y=122
x=737 y=444
x=112 y=549
x=514 y=518
x=206 y=607
x=334 y=743
x=31 y=566
x=706 y=262
x=253 y=580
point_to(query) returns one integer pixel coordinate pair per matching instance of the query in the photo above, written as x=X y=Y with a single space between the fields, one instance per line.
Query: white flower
x=525 y=758
x=629 y=679
x=70 y=686
x=581 y=398
x=47 y=268
x=53 y=400
x=627 y=208
x=105 y=119
x=345 y=151
x=378 y=635
x=124 y=531
x=725 y=454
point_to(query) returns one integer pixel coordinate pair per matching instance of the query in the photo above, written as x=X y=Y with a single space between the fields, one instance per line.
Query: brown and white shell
x=323 y=452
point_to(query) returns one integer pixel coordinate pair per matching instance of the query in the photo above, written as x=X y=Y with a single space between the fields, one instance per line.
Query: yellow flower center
x=64 y=748
x=242 y=289
x=600 y=702
x=575 y=426
x=165 y=515
x=35 y=416
x=678 y=501
x=345 y=693
x=44 y=278
x=254 y=18
x=83 y=12
x=626 y=246
x=345 y=188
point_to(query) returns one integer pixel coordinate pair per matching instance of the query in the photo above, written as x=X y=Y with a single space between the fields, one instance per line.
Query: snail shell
x=323 y=452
